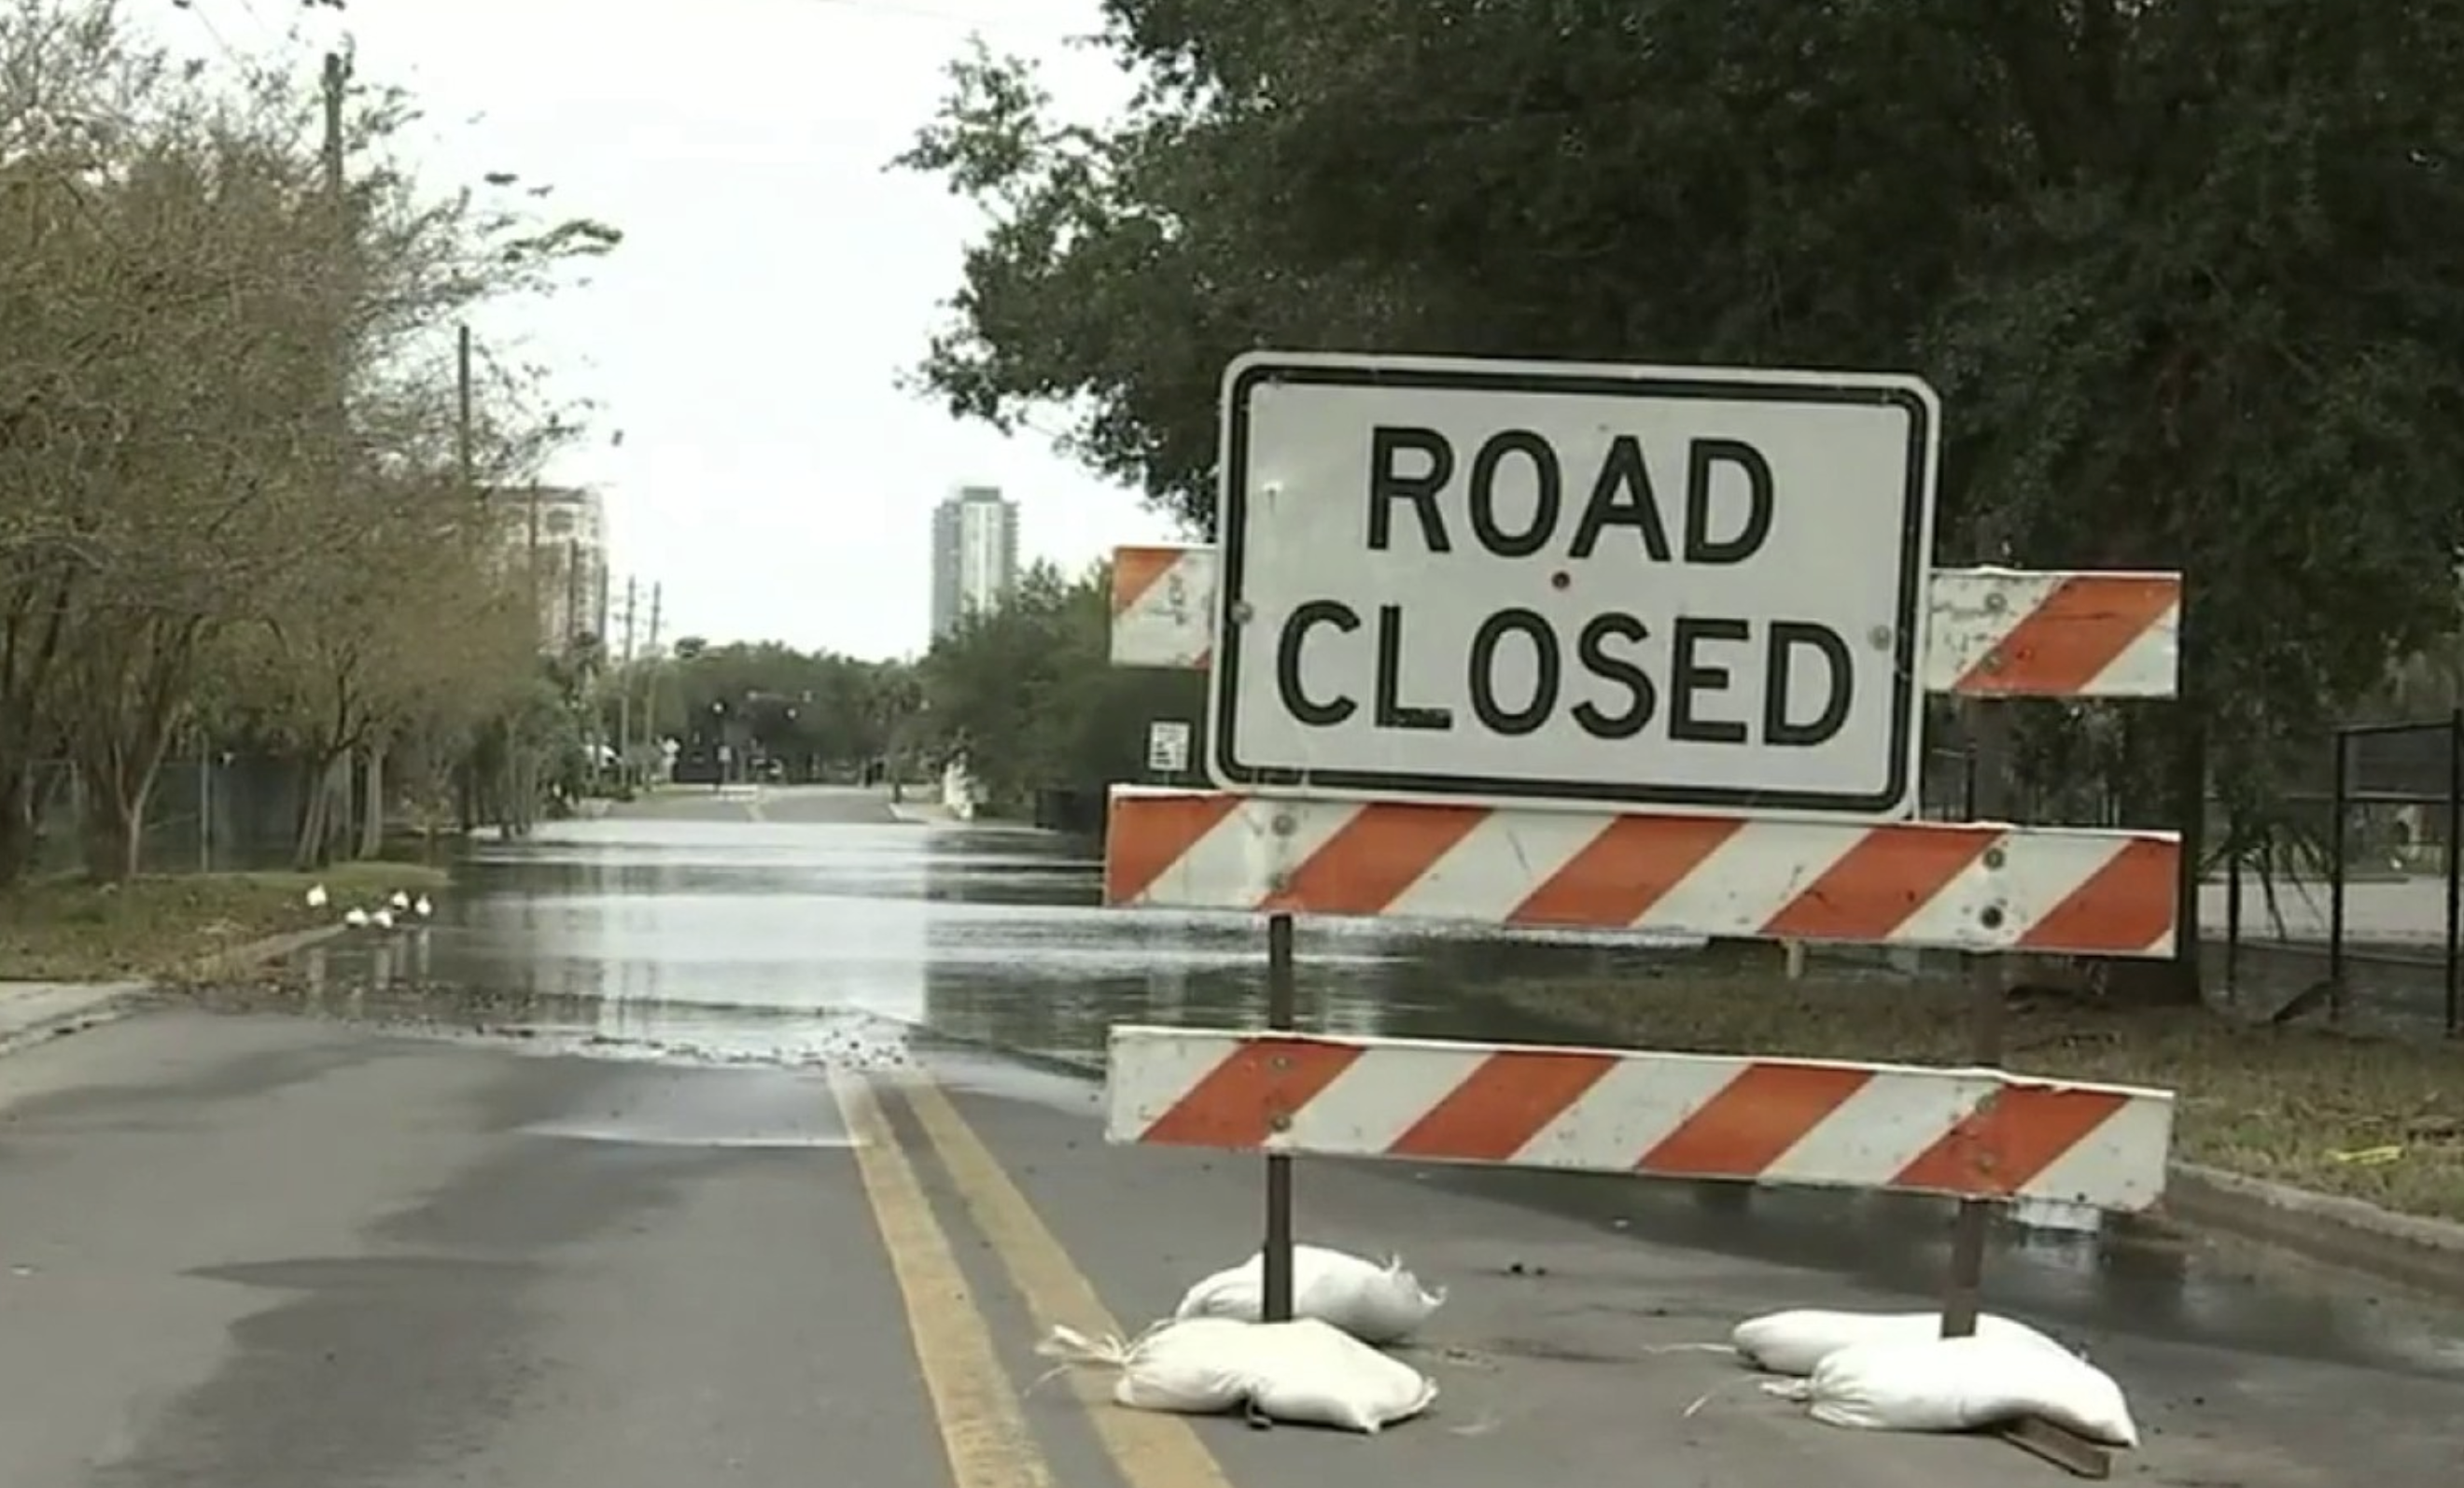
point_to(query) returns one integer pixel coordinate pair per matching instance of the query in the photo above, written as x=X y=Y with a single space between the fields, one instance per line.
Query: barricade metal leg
x=2064 y=1449
x=1989 y=790
x=1988 y=794
x=1962 y=1298
x=1280 y=1012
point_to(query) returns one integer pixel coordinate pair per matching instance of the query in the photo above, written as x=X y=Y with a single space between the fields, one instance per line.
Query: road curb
x=253 y=954
x=113 y=1001
x=2320 y=1227
x=110 y=1003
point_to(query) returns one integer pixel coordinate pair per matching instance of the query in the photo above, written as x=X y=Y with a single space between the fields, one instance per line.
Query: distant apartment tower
x=558 y=537
x=975 y=554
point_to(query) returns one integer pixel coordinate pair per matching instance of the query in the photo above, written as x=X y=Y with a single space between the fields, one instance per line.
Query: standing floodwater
x=789 y=926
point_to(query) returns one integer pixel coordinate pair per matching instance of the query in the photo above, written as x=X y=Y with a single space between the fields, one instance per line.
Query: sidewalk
x=30 y=1011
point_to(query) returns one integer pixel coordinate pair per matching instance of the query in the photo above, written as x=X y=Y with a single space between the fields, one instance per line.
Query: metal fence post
x=2455 y=829
x=2232 y=907
x=2337 y=810
x=206 y=811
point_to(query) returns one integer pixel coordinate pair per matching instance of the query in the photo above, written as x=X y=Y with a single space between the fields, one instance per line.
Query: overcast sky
x=773 y=282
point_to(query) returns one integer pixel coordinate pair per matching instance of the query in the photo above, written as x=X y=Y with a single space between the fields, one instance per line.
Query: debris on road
x=1376 y=1303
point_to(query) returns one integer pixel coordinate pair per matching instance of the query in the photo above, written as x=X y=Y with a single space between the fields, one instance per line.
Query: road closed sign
x=1528 y=584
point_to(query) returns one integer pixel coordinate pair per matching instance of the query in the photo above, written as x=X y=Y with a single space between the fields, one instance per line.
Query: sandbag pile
x=1894 y=1372
x=1866 y=1372
x=1323 y=1367
x=1375 y=1305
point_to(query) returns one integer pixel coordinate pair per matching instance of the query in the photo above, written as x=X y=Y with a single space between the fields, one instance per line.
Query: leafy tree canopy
x=2183 y=270
x=1026 y=693
x=829 y=710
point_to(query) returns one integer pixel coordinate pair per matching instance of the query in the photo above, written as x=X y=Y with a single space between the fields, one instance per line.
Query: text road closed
x=1534 y=584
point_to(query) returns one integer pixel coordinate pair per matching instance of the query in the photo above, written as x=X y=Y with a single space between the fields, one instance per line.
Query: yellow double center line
x=976 y=1404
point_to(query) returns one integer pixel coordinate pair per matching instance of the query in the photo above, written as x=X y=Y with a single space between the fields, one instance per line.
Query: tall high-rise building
x=559 y=538
x=975 y=554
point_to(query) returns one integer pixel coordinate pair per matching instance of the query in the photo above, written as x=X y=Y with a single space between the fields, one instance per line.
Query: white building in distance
x=559 y=535
x=975 y=554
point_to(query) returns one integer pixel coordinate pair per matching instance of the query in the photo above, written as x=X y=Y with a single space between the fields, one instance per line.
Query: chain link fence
x=210 y=814
x=2348 y=907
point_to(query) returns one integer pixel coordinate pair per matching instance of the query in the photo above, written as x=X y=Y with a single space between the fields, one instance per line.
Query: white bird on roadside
x=400 y=900
x=317 y=897
x=383 y=919
x=356 y=919
x=421 y=907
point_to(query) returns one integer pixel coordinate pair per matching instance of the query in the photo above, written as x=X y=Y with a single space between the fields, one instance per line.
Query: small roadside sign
x=1536 y=584
x=1168 y=746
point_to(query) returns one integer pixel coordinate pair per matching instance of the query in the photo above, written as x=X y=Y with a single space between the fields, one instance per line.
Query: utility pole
x=625 y=688
x=530 y=564
x=333 y=83
x=336 y=79
x=651 y=688
x=333 y=811
x=462 y=432
x=590 y=675
x=573 y=590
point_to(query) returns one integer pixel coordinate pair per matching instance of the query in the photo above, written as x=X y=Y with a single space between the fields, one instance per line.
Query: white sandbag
x=1795 y=1340
x=1961 y=1385
x=1373 y=1303
x=1191 y=1368
x=1312 y=1371
x=1305 y=1371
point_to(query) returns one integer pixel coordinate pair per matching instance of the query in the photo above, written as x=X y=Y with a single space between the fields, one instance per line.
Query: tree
x=819 y=710
x=2182 y=271
x=1025 y=691
x=203 y=500
x=408 y=623
x=221 y=452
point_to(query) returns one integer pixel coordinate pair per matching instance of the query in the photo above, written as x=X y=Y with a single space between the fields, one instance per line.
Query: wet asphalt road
x=684 y=1150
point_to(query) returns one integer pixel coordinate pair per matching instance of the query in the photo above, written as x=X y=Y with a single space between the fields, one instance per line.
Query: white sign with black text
x=1532 y=584
x=1168 y=746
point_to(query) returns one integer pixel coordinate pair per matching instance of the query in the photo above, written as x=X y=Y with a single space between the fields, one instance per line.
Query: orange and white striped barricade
x=1961 y=886
x=1976 y=1133
x=1392 y=526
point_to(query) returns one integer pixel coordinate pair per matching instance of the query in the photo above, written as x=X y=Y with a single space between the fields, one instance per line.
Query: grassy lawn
x=68 y=931
x=2370 y=1120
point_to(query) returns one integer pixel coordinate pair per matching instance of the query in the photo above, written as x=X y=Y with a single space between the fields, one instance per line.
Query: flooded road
x=789 y=926
x=751 y=1139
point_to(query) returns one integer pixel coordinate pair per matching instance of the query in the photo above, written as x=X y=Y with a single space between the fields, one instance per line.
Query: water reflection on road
x=982 y=934
x=785 y=927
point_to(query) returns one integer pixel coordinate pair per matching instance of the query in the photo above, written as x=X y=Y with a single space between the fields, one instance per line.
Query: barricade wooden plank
x=1977 y=887
x=1965 y=1133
